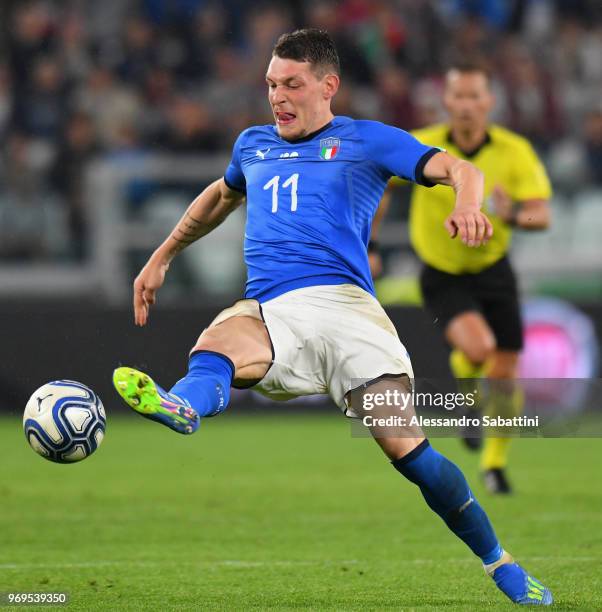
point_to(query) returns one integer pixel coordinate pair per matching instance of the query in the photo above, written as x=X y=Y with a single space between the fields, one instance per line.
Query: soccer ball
x=64 y=421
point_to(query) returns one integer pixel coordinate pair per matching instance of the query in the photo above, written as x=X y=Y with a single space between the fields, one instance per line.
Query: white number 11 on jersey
x=290 y=181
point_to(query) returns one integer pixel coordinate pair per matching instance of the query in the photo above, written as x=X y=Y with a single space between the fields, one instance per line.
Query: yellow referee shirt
x=506 y=159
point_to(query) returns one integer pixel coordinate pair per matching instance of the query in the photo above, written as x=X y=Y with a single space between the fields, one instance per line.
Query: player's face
x=300 y=100
x=468 y=99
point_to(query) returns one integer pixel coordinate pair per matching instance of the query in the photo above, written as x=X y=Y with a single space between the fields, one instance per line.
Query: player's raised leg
x=447 y=493
x=239 y=347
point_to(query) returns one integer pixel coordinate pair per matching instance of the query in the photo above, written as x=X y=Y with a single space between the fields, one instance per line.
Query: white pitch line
x=224 y=562
x=276 y=563
x=239 y=563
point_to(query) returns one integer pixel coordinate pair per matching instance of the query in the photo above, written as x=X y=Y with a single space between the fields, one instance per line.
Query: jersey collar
x=473 y=152
x=308 y=137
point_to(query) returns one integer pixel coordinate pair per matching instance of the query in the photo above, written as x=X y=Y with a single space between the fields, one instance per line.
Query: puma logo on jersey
x=262 y=154
x=289 y=155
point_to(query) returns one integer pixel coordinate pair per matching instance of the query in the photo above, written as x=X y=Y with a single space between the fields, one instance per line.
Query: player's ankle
x=504 y=558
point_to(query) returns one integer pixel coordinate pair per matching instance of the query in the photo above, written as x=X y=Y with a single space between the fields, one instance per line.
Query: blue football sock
x=206 y=387
x=447 y=493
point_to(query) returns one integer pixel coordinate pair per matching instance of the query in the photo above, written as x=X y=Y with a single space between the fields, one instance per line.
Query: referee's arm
x=528 y=214
x=466 y=220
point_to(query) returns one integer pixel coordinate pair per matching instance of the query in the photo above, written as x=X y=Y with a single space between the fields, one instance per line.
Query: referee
x=472 y=293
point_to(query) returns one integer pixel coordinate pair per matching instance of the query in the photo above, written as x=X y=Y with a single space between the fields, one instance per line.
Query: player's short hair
x=470 y=67
x=309 y=45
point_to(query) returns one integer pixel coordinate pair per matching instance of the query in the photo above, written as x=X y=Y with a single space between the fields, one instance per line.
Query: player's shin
x=206 y=387
x=447 y=493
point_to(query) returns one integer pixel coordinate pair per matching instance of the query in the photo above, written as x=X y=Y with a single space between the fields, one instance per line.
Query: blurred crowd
x=120 y=78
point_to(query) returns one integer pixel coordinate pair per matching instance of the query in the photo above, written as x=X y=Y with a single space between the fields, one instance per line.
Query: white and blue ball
x=64 y=421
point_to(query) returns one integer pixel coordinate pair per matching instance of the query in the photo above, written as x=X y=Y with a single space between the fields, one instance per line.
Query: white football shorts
x=326 y=339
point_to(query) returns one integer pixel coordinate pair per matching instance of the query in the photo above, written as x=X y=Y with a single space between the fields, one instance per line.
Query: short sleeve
x=530 y=180
x=395 y=151
x=234 y=176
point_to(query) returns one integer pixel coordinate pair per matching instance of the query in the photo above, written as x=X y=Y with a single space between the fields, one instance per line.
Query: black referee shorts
x=493 y=292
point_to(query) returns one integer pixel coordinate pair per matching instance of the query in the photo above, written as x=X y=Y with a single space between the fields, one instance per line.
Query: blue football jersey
x=310 y=202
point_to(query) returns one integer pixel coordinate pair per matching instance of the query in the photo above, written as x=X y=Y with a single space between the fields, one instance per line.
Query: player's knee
x=243 y=340
x=479 y=350
x=504 y=364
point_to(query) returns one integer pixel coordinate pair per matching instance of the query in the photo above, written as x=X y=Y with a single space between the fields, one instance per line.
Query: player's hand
x=150 y=279
x=503 y=205
x=472 y=225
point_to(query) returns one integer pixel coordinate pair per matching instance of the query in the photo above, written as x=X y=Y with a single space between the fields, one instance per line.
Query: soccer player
x=310 y=323
x=472 y=292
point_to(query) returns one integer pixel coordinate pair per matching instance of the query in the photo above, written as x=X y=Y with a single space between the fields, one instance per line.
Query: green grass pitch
x=282 y=512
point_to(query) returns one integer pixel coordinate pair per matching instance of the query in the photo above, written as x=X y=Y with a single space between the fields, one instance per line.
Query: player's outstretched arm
x=466 y=220
x=206 y=212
